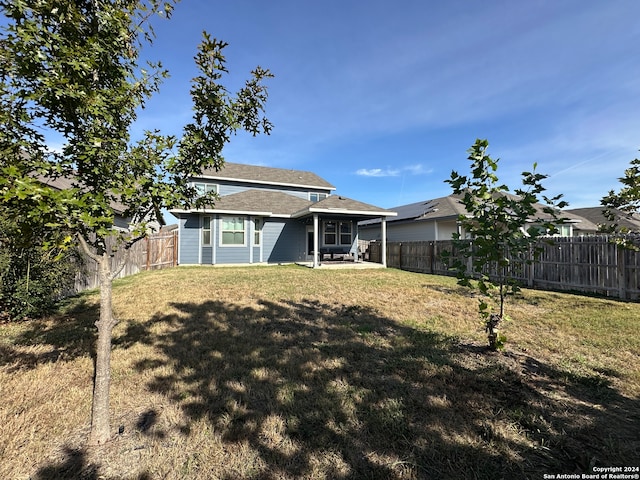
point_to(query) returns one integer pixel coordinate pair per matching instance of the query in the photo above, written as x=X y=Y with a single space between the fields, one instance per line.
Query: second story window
x=316 y=197
x=204 y=188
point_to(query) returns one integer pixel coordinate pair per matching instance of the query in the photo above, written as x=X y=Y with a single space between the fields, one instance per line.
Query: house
x=120 y=221
x=270 y=215
x=437 y=219
x=596 y=218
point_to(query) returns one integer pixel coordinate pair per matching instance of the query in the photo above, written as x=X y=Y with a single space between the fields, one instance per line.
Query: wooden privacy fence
x=157 y=251
x=592 y=264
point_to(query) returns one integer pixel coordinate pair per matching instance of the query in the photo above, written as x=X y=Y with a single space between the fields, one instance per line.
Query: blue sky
x=383 y=98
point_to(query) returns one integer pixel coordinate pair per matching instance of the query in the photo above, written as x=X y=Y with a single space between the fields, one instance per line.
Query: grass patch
x=286 y=372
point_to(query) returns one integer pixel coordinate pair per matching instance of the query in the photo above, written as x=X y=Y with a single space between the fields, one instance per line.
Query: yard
x=286 y=372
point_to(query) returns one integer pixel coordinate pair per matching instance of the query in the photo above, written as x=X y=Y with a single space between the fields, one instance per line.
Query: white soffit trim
x=264 y=182
x=352 y=212
x=225 y=212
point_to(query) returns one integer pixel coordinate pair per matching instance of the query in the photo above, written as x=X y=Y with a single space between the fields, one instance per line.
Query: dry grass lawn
x=287 y=373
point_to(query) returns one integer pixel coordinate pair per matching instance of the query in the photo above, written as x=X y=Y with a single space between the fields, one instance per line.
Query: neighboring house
x=596 y=218
x=120 y=221
x=270 y=215
x=437 y=219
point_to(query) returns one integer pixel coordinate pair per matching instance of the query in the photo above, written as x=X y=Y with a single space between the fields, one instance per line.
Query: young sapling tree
x=499 y=233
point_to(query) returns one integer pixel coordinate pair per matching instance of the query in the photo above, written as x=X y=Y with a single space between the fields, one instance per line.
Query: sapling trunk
x=100 y=426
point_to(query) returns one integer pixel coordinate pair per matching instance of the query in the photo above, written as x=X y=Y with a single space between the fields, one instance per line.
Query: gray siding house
x=596 y=218
x=437 y=219
x=270 y=215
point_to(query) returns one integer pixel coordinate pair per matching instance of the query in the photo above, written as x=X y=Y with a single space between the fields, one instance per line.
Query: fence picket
x=157 y=251
x=584 y=264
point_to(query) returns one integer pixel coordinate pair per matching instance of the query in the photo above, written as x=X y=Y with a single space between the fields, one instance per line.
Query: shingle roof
x=276 y=203
x=268 y=175
x=451 y=207
x=66 y=183
x=443 y=207
x=265 y=202
x=595 y=216
x=339 y=204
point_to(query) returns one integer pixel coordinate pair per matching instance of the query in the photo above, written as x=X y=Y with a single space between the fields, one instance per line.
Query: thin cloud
x=417 y=169
x=377 y=172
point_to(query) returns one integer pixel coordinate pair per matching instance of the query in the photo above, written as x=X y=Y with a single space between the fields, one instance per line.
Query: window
x=337 y=233
x=257 y=230
x=206 y=230
x=204 y=188
x=330 y=229
x=345 y=233
x=564 y=230
x=232 y=231
x=315 y=197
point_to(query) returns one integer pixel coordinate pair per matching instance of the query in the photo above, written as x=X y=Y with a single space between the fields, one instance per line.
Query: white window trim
x=321 y=196
x=202 y=230
x=324 y=233
x=258 y=231
x=235 y=245
x=350 y=233
x=337 y=233
x=215 y=186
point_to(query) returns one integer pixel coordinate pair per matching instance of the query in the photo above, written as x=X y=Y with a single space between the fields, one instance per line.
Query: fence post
x=148 y=253
x=432 y=253
x=622 y=274
x=531 y=267
x=175 y=248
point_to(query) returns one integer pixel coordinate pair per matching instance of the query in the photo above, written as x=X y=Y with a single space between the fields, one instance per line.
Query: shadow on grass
x=74 y=465
x=341 y=392
x=337 y=391
x=70 y=335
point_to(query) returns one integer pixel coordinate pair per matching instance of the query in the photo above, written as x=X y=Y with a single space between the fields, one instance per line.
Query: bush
x=32 y=280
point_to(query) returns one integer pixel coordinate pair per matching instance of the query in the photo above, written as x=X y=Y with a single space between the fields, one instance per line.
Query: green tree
x=73 y=69
x=502 y=231
x=32 y=279
x=624 y=204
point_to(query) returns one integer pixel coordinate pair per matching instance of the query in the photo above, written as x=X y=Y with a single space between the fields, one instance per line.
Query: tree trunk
x=100 y=429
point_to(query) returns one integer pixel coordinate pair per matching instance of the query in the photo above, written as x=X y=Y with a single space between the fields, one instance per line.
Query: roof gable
x=595 y=216
x=260 y=202
x=451 y=207
x=342 y=205
x=267 y=175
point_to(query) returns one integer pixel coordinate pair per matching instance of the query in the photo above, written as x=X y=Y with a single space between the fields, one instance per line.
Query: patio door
x=310 y=234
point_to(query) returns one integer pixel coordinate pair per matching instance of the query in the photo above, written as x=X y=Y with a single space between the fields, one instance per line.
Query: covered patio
x=332 y=229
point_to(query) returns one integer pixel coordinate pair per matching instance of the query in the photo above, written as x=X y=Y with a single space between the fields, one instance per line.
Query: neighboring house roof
x=451 y=207
x=267 y=175
x=438 y=208
x=66 y=183
x=596 y=217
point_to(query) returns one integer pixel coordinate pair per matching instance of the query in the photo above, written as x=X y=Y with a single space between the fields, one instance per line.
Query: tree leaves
x=497 y=228
x=624 y=204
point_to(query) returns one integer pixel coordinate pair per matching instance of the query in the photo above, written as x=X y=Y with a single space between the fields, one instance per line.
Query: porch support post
x=384 y=241
x=315 y=240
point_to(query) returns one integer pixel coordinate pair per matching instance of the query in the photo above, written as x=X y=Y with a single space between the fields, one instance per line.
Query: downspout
x=315 y=240
x=384 y=241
